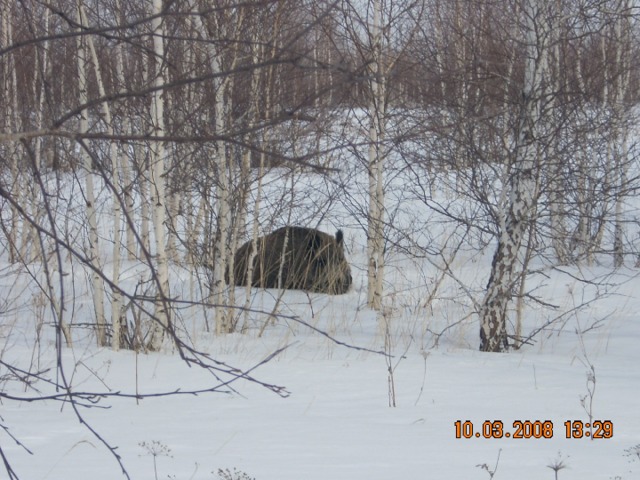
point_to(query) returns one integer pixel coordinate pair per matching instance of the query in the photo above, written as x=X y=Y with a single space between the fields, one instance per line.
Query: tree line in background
x=181 y=109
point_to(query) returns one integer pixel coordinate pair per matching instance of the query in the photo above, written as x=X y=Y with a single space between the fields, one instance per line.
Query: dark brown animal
x=296 y=258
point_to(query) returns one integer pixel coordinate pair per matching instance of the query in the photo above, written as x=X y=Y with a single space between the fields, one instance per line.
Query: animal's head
x=331 y=271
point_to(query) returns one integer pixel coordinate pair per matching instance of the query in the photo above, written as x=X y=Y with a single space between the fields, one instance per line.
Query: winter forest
x=479 y=159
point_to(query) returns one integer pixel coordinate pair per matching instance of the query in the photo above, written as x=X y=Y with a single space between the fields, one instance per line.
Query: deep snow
x=336 y=423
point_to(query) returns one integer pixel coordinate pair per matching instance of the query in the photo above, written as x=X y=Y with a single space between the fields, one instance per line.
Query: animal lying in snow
x=296 y=258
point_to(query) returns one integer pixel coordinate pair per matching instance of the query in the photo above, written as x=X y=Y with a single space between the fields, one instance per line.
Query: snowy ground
x=336 y=423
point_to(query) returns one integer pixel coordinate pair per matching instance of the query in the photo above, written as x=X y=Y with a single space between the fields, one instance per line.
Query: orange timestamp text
x=534 y=429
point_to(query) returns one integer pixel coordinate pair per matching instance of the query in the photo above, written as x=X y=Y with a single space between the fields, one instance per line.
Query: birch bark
x=520 y=203
x=157 y=184
x=375 y=232
x=125 y=166
x=257 y=51
x=623 y=50
x=222 y=86
x=97 y=282
x=12 y=118
x=114 y=155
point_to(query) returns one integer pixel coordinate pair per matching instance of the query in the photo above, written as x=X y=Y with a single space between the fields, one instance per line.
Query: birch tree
x=158 y=179
x=380 y=35
x=30 y=249
x=222 y=85
x=257 y=51
x=622 y=59
x=519 y=205
x=125 y=166
x=10 y=120
x=377 y=107
x=114 y=181
x=97 y=282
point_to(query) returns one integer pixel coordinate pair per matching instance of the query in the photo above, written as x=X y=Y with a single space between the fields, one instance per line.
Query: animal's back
x=296 y=258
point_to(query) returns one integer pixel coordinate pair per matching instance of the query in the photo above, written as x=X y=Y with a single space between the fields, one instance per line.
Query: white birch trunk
x=222 y=187
x=219 y=288
x=145 y=201
x=621 y=86
x=97 y=283
x=10 y=91
x=520 y=204
x=375 y=232
x=462 y=96
x=188 y=201
x=556 y=194
x=116 y=300
x=116 y=297
x=173 y=206
x=157 y=184
x=30 y=249
x=619 y=230
x=607 y=101
x=223 y=85
x=125 y=165
x=129 y=199
x=257 y=51
x=440 y=42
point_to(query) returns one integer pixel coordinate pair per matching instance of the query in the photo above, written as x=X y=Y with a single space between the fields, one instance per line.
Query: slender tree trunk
x=30 y=249
x=223 y=87
x=114 y=154
x=556 y=181
x=10 y=91
x=580 y=240
x=219 y=288
x=520 y=204
x=375 y=234
x=619 y=230
x=144 y=165
x=125 y=164
x=158 y=170
x=257 y=54
x=97 y=282
x=222 y=188
x=623 y=50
